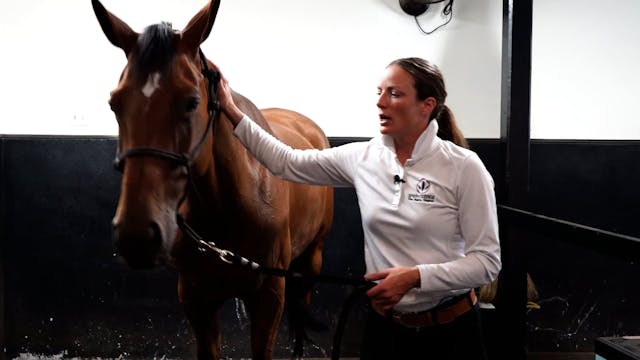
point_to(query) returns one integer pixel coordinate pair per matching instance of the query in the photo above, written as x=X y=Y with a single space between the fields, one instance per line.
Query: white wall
x=585 y=69
x=322 y=58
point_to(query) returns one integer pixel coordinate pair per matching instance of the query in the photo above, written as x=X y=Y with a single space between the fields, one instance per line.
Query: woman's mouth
x=384 y=118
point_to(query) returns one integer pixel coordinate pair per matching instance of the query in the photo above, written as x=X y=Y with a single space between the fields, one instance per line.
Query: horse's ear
x=117 y=31
x=199 y=27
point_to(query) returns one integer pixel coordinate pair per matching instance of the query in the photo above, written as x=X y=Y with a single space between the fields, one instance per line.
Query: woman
x=428 y=214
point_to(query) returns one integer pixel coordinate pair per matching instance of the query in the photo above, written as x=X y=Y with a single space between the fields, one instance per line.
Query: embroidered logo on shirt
x=422 y=188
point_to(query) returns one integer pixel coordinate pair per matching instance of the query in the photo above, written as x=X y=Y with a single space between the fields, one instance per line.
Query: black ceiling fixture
x=414 y=7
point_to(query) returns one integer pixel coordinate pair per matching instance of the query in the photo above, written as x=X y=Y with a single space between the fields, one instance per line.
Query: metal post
x=515 y=140
x=3 y=244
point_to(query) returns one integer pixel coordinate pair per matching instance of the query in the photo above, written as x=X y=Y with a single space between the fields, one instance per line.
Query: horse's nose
x=139 y=245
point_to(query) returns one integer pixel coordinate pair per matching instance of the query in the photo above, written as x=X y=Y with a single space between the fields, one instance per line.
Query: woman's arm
x=334 y=166
x=477 y=214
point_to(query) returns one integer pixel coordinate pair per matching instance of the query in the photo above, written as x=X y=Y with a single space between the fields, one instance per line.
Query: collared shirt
x=442 y=218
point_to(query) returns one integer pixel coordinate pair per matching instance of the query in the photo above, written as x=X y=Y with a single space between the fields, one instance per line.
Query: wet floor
x=63 y=357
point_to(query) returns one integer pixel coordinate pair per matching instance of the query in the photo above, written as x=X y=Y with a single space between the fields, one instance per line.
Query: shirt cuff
x=243 y=124
x=426 y=277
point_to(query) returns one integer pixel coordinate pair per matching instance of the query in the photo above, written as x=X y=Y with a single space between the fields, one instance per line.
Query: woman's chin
x=386 y=130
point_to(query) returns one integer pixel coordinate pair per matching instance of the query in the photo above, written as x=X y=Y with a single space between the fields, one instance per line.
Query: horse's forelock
x=156 y=49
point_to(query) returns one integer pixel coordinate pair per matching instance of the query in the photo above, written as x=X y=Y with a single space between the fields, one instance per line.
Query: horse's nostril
x=155 y=234
x=140 y=246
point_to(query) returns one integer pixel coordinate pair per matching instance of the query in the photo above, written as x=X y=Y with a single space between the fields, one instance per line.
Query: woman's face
x=400 y=111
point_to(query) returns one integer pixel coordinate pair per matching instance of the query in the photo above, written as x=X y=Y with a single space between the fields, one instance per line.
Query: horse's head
x=161 y=105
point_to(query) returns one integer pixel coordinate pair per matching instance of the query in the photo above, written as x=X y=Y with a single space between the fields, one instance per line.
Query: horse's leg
x=205 y=323
x=265 y=311
x=204 y=320
x=299 y=295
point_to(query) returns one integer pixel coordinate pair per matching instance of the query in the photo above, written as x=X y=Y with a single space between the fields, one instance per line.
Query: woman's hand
x=225 y=98
x=395 y=283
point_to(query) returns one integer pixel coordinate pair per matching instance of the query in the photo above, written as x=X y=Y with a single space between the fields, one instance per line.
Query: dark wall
x=591 y=182
x=586 y=283
x=63 y=289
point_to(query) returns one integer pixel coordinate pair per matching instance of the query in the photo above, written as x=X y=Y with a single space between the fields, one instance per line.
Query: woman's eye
x=391 y=93
x=191 y=104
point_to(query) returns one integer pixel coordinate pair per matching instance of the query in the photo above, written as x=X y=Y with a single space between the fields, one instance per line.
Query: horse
x=180 y=160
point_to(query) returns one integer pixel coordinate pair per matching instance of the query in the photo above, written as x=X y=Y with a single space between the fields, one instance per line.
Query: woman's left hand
x=395 y=283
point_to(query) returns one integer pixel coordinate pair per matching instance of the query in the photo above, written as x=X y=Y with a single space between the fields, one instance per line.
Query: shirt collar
x=427 y=142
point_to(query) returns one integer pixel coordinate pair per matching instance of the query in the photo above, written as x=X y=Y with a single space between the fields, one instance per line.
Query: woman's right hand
x=225 y=97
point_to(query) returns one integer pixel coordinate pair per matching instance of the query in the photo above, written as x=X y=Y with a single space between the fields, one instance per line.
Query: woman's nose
x=382 y=101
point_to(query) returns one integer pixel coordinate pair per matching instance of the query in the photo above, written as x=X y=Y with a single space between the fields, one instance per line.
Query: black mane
x=156 y=49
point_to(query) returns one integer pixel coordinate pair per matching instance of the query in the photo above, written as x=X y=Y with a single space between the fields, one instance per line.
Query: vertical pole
x=515 y=142
x=3 y=242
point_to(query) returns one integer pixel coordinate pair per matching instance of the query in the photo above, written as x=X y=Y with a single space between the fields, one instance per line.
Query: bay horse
x=176 y=157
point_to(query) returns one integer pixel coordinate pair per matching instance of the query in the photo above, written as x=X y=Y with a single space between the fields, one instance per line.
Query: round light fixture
x=413 y=7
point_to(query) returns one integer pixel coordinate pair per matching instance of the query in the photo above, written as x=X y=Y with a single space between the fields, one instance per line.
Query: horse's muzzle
x=140 y=246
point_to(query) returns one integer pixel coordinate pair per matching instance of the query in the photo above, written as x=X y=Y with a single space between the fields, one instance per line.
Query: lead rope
x=360 y=285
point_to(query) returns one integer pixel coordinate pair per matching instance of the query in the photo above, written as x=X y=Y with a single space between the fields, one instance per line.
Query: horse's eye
x=191 y=104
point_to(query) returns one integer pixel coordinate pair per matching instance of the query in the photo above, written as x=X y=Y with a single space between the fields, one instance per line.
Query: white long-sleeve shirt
x=442 y=219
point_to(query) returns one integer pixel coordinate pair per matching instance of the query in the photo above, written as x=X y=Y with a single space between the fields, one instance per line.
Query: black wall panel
x=586 y=286
x=64 y=291
x=590 y=182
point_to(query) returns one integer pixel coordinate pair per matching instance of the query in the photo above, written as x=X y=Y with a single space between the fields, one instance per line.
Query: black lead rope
x=360 y=285
x=344 y=315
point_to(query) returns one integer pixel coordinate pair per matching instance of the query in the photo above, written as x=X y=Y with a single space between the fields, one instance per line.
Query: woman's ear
x=428 y=105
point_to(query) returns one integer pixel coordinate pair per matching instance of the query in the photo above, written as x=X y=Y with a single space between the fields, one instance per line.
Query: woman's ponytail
x=448 y=129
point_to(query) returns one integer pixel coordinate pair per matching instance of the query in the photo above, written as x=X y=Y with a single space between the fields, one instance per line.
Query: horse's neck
x=235 y=182
x=235 y=168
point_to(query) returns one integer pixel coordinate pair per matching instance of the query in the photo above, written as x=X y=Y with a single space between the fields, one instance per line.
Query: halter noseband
x=182 y=159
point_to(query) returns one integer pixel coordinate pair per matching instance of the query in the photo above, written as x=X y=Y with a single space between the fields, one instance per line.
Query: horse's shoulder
x=295 y=129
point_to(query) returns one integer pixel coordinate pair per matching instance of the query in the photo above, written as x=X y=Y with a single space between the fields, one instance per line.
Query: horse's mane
x=156 y=49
